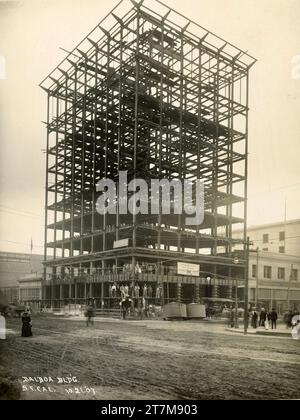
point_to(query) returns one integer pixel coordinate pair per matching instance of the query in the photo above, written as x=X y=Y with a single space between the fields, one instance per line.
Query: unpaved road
x=146 y=360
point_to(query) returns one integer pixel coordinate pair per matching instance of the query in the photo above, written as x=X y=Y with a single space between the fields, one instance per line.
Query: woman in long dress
x=267 y=322
x=26 y=325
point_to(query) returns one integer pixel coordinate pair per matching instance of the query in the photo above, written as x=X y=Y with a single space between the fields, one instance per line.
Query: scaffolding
x=150 y=92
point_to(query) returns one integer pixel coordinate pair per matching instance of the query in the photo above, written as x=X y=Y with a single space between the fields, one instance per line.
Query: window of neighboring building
x=281 y=250
x=281 y=273
x=294 y=274
x=265 y=249
x=254 y=270
x=265 y=238
x=30 y=293
x=267 y=272
x=282 y=236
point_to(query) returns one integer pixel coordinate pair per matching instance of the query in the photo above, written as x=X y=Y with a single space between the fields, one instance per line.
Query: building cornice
x=275 y=256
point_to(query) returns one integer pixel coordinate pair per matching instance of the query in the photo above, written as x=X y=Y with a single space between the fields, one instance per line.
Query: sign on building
x=186 y=269
x=122 y=243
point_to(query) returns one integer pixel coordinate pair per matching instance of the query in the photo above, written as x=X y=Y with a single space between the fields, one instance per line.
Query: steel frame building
x=153 y=93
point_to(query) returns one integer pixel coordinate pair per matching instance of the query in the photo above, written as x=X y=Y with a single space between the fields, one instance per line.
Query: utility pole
x=246 y=289
x=236 y=324
x=257 y=278
x=289 y=287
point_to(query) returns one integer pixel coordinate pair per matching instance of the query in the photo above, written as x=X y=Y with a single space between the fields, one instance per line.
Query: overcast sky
x=31 y=32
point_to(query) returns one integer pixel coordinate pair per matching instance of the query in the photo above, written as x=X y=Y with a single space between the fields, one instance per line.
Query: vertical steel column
x=229 y=291
x=70 y=284
x=162 y=49
x=119 y=127
x=94 y=153
x=65 y=167
x=46 y=201
x=56 y=175
x=180 y=132
x=102 y=283
x=199 y=132
x=136 y=127
x=106 y=130
x=61 y=295
x=246 y=239
x=179 y=292
x=216 y=154
x=231 y=145
x=73 y=164
x=229 y=187
x=83 y=157
x=197 y=293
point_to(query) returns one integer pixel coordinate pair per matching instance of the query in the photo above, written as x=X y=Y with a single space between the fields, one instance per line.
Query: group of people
x=142 y=268
x=134 y=291
x=137 y=269
x=139 y=308
x=265 y=319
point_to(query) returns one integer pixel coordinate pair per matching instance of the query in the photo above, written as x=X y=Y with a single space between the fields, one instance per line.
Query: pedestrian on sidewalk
x=228 y=315
x=232 y=318
x=262 y=317
x=26 y=325
x=274 y=317
x=267 y=320
x=254 y=319
x=288 y=319
x=89 y=315
x=125 y=306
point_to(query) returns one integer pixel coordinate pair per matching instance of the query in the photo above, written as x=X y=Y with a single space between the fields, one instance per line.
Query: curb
x=257 y=332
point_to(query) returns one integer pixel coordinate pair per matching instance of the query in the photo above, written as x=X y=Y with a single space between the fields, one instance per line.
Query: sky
x=31 y=35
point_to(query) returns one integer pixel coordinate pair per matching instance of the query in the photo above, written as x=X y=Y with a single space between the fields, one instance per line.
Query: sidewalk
x=281 y=331
x=212 y=326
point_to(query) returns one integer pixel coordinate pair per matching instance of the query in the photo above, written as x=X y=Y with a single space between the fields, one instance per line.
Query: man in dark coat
x=26 y=325
x=89 y=315
x=288 y=319
x=232 y=318
x=125 y=305
x=254 y=319
x=262 y=317
x=274 y=318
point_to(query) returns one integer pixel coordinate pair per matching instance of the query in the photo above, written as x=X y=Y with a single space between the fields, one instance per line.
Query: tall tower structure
x=149 y=92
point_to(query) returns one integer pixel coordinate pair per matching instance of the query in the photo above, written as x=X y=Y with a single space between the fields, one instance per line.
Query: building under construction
x=149 y=92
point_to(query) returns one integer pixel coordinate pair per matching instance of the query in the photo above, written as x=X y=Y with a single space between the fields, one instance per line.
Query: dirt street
x=117 y=359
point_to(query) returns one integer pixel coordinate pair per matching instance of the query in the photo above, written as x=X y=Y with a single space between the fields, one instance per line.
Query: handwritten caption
x=49 y=384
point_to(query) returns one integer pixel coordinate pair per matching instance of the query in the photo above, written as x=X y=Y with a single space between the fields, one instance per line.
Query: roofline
x=267 y=225
x=140 y=5
x=277 y=255
x=19 y=254
x=30 y=279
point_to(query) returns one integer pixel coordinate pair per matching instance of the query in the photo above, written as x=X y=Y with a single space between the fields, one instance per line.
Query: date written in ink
x=80 y=390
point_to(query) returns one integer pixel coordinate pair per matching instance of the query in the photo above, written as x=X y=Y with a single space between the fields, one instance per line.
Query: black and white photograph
x=149 y=202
